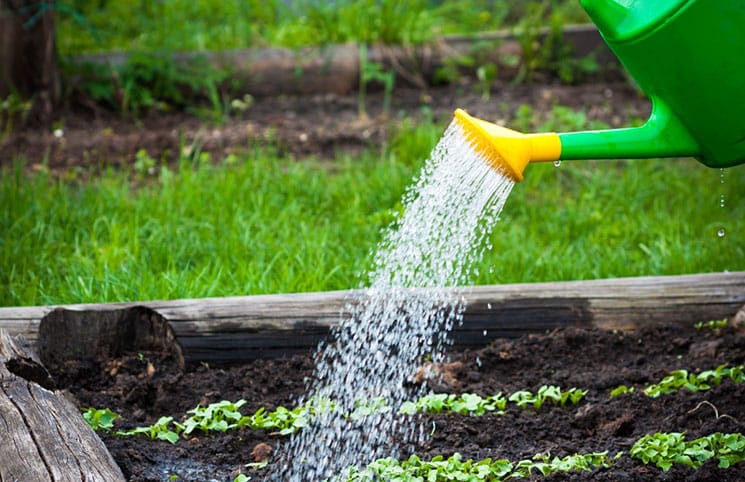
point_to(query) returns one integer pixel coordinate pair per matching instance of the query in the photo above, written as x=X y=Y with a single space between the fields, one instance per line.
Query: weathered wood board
x=235 y=329
x=43 y=437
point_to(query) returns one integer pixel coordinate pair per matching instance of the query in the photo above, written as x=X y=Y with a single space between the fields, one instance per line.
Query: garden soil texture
x=142 y=387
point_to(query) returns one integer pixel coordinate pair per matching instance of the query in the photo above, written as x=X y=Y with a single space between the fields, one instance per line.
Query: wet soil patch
x=144 y=386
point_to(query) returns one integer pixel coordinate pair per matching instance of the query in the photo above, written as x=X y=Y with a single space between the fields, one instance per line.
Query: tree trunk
x=28 y=56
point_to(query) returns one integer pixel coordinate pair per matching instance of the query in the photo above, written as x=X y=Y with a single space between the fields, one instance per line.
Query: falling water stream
x=411 y=302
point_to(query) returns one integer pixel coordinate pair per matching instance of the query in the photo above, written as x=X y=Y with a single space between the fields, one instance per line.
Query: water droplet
x=488 y=306
x=478 y=361
x=721 y=201
x=557 y=163
x=485 y=332
x=720 y=233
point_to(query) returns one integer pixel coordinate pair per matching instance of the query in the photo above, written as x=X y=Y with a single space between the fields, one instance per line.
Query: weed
x=12 y=110
x=373 y=72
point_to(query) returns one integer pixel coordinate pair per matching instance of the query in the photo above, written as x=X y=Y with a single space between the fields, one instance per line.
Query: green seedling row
x=666 y=449
x=683 y=379
x=225 y=415
x=440 y=468
x=661 y=449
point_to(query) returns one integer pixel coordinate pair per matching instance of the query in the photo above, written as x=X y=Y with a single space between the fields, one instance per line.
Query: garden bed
x=143 y=386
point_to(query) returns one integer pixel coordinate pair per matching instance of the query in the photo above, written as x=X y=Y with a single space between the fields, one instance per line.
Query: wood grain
x=234 y=329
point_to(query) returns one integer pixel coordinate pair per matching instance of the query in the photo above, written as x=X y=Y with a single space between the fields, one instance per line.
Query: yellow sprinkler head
x=506 y=150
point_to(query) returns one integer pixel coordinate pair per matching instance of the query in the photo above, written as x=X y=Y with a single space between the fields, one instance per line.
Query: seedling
x=712 y=325
x=219 y=417
x=454 y=468
x=620 y=390
x=158 y=431
x=679 y=379
x=666 y=449
x=100 y=419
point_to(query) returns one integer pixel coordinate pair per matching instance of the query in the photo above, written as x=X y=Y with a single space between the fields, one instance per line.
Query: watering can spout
x=663 y=135
x=686 y=55
x=510 y=151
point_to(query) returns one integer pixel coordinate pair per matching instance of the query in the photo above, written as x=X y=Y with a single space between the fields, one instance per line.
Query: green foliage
x=367 y=21
x=551 y=55
x=666 y=449
x=464 y=404
x=181 y=25
x=546 y=393
x=692 y=382
x=374 y=72
x=12 y=110
x=620 y=390
x=712 y=325
x=158 y=431
x=454 y=467
x=149 y=80
x=218 y=417
x=475 y=405
x=100 y=419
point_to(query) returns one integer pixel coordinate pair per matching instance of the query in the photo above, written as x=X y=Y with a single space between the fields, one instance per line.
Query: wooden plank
x=44 y=437
x=218 y=330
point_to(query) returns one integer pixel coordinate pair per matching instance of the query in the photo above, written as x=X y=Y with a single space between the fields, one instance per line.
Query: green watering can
x=688 y=56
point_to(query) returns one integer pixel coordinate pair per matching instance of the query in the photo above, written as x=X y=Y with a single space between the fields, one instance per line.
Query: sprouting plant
x=455 y=468
x=11 y=108
x=666 y=449
x=680 y=379
x=218 y=417
x=486 y=74
x=620 y=390
x=546 y=393
x=158 y=431
x=100 y=419
x=144 y=165
x=713 y=325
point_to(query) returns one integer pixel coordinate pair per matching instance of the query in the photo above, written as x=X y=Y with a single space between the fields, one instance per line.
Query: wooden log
x=66 y=335
x=236 y=329
x=335 y=69
x=44 y=437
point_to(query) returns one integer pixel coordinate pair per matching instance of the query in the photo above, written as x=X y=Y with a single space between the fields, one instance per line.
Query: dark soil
x=585 y=358
x=321 y=125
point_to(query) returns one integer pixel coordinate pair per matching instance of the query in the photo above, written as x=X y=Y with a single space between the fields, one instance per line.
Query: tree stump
x=43 y=435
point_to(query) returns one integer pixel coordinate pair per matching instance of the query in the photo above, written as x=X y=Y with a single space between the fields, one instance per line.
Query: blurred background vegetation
x=87 y=26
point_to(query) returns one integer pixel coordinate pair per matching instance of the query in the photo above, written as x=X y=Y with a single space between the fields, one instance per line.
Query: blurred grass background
x=87 y=26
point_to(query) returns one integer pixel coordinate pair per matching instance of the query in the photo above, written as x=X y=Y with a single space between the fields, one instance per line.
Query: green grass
x=264 y=223
x=86 y=26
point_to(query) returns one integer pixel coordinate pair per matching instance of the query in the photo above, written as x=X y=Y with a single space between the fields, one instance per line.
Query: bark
x=44 y=437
